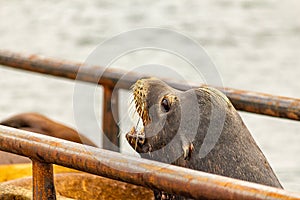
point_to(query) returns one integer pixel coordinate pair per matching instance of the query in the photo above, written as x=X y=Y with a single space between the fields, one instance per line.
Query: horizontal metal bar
x=242 y=100
x=151 y=174
x=260 y=103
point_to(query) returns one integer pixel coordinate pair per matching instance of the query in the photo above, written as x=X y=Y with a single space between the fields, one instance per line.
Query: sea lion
x=38 y=123
x=179 y=127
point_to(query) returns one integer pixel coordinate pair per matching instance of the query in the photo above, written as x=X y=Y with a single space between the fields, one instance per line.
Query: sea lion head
x=156 y=104
x=170 y=119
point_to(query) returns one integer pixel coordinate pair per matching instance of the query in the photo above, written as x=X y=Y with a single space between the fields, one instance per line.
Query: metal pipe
x=242 y=100
x=43 y=182
x=138 y=171
x=266 y=104
x=110 y=117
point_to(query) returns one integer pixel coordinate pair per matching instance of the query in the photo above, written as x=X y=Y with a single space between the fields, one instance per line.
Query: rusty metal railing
x=255 y=102
x=44 y=150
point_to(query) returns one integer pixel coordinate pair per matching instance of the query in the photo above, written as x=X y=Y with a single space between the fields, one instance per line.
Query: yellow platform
x=15 y=171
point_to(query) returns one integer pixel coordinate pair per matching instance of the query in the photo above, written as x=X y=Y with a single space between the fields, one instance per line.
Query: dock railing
x=45 y=151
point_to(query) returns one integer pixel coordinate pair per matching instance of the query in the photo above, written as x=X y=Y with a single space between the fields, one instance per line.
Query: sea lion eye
x=165 y=104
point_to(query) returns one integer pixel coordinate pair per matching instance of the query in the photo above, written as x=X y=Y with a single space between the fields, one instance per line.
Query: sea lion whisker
x=131 y=109
x=132 y=101
x=122 y=120
x=134 y=115
x=119 y=134
x=131 y=98
x=132 y=87
x=138 y=123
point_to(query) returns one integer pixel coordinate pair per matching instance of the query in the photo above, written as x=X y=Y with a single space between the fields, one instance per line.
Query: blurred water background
x=255 y=45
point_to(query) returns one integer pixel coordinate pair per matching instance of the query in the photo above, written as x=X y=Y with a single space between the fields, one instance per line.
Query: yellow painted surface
x=14 y=171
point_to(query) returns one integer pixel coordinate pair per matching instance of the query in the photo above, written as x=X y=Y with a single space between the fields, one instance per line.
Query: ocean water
x=255 y=45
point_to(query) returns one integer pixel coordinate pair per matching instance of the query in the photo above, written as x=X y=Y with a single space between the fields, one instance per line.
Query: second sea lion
x=38 y=123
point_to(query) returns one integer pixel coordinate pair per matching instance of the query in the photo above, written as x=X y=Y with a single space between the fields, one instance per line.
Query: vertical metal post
x=43 y=184
x=110 y=119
